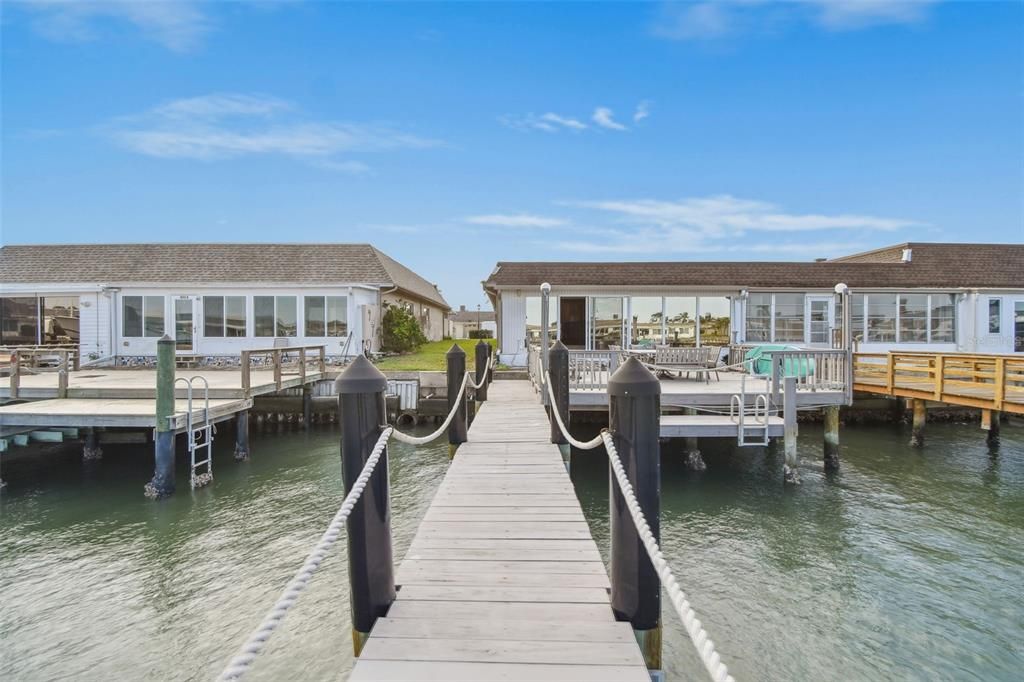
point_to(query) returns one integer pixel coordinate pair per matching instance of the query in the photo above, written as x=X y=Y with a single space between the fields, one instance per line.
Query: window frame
x=225 y=315
x=325 y=300
x=998 y=301
x=275 y=317
x=146 y=300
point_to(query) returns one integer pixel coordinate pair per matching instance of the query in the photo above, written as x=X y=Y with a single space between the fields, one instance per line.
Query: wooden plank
x=503 y=554
x=490 y=578
x=501 y=651
x=552 y=612
x=519 y=630
x=505 y=567
x=415 y=671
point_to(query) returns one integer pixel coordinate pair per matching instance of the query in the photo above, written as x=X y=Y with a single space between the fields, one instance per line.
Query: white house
x=912 y=296
x=462 y=322
x=116 y=300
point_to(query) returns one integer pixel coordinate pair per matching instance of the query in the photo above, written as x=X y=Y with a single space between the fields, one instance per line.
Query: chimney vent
x=905 y=258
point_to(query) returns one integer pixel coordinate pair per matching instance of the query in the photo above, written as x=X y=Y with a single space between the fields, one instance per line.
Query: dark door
x=572 y=312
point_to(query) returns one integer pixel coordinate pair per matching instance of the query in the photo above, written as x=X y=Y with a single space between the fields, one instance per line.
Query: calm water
x=907 y=565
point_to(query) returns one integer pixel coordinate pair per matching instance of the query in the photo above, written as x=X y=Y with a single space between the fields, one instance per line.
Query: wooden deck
x=503 y=580
x=112 y=413
x=989 y=382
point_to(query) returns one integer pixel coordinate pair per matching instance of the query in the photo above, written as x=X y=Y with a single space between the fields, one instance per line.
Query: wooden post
x=322 y=364
x=162 y=484
x=276 y=357
x=691 y=448
x=777 y=361
x=1000 y=383
x=62 y=375
x=307 y=406
x=831 y=438
x=15 y=374
x=76 y=360
x=91 y=449
x=634 y=415
x=246 y=373
x=990 y=423
x=790 y=473
x=482 y=357
x=890 y=372
x=457 y=430
x=242 y=436
x=302 y=364
x=558 y=372
x=940 y=376
x=371 y=573
x=917 y=427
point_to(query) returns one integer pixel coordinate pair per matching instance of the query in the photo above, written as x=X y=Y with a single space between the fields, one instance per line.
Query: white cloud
x=179 y=25
x=224 y=126
x=564 y=121
x=526 y=220
x=643 y=110
x=548 y=123
x=603 y=117
x=715 y=19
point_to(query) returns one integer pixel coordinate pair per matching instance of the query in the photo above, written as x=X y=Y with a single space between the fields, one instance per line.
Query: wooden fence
x=282 y=358
x=994 y=382
x=41 y=360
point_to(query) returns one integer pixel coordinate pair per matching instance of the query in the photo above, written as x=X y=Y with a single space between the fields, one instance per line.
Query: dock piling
x=990 y=423
x=917 y=427
x=634 y=411
x=831 y=443
x=91 y=449
x=482 y=356
x=162 y=484
x=242 y=436
x=691 y=446
x=307 y=406
x=362 y=412
x=456 y=361
x=790 y=471
x=558 y=375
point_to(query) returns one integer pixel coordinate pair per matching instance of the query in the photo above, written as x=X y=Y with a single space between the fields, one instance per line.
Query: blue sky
x=456 y=135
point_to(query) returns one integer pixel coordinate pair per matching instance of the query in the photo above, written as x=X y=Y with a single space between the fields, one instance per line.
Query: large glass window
x=19 y=321
x=285 y=318
x=857 y=317
x=914 y=318
x=943 y=318
x=881 y=318
x=60 y=319
x=533 y=319
x=224 y=316
x=1018 y=327
x=759 y=318
x=143 y=316
x=647 y=322
x=263 y=313
x=275 y=315
x=606 y=321
x=995 y=315
x=714 y=321
x=789 y=318
x=326 y=315
x=681 y=321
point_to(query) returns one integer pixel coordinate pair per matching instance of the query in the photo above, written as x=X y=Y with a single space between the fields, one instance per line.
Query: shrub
x=401 y=331
x=481 y=334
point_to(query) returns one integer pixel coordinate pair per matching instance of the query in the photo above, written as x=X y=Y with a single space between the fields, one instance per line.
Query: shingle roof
x=931 y=266
x=472 y=316
x=203 y=263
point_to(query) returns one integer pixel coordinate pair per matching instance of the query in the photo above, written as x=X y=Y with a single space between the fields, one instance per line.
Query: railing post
x=790 y=473
x=777 y=361
x=999 y=390
x=558 y=375
x=322 y=362
x=62 y=375
x=162 y=484
x=246 y=373
x=302 y=364
x=15 y=374
x=890 y=372
x=940 y=372
x=76 y=362
x=276 y=356
x=371 y=573
x=545 y=323
x=457 y=430
x=634 y=412
x=482 y=358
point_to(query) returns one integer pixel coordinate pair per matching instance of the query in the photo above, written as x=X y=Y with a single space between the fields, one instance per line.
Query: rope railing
x=695 y=629
x=242 y=661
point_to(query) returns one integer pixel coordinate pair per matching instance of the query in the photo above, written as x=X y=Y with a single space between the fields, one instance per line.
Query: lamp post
x=478 y=327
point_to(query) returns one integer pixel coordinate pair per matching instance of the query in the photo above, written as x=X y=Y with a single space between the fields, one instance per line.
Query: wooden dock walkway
x=503 y=580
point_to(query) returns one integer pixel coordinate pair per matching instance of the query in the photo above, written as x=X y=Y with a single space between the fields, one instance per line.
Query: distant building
x=461 y=322
x=115 y=300
x=912 y=296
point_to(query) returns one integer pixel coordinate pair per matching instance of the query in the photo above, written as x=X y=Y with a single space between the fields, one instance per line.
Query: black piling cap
x=455 y=350
x=633 y=379
x=361 y=377
x=558 y=347
x=481 y=342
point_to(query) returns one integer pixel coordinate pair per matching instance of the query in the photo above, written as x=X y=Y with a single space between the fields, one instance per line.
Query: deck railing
x=974 y=380
x=280 y=358
x=591 y=369
x=814 y=370
x=41 y=360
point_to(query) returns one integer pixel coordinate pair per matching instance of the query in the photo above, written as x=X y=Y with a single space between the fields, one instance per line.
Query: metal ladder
x=738 y=414
x=199 y=437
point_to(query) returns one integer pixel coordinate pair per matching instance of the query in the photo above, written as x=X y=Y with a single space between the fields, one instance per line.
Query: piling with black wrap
x=162 y=484
x=362 y=414
x=634 y=411
x=242 y=436
x=831 y=438
x=558 y=375
x=483 y=357
x=457 y=430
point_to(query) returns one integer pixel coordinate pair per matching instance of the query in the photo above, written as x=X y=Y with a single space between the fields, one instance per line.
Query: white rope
x=240 y=664
x=705 y=647
x=423 y=440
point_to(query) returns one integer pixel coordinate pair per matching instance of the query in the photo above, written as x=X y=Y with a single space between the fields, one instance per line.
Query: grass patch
x=431 y=356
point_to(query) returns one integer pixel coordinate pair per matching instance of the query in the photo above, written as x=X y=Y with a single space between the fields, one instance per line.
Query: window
x=143 y=316
x=942 y=328
x=913 y=318
x=606 y=321
x=326 y=315
x=1018 y=327
x=533 y=319
x=857 y=317
x=60 y=319
x=759 y=318
x=224 y=316
x=275 y=315
x=881 y=318
x=789 y=317
x=714 y=321
x=681 y=321
x=995 y=314
x=19 y=320
x=647 y=322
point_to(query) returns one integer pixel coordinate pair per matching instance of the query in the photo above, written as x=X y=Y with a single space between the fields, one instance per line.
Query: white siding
x=94 y=326
x=512 y=339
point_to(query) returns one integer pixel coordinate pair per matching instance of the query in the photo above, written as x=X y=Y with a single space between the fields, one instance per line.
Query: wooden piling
x=831 y=444
x=990 y=424
x=242 y=435
x=917 y=426
x=691 y=448
x=162 y=484
x=790 y=472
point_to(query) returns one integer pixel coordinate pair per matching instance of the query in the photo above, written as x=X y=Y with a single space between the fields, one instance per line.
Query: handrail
x=67 y=361
x=277 y=359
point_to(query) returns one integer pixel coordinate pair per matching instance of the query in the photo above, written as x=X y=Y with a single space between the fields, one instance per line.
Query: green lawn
x=430 y=356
